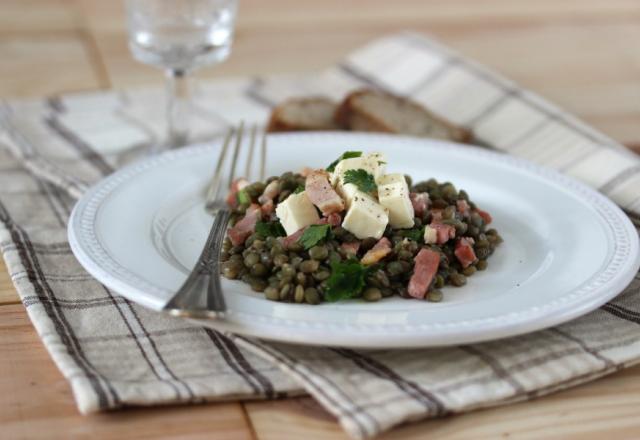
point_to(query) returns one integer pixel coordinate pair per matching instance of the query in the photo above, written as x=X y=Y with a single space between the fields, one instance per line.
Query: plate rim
x=605 y=284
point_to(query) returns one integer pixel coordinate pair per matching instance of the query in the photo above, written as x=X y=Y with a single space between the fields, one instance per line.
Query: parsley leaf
x=299 y=189
x=413 y=234
x=243 y=197
x=270 y=229
x=313 y=235
x=346 y=281
x=345 y=155
x=381 y=162
x=362 y=179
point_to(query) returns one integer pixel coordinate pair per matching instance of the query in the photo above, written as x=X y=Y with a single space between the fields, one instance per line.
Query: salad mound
x=354 y=231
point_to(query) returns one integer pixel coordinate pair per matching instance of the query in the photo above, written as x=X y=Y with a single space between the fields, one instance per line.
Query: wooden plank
x=21 y=16
x=36 y=400
x=8 y=294
x=607 y=408
x=44 y=64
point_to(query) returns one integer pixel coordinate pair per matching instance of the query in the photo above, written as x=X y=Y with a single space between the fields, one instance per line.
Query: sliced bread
x=309 y=113
x=372 y=110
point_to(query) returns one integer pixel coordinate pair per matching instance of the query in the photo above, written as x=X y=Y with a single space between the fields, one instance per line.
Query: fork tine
x=263 y=155
x=252 y=143
x=214 y=186
x=236 y=153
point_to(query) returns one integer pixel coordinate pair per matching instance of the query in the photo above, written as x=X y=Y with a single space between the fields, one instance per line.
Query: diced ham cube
x=420 y=202
x=245 y=227
x=290 y=239
x=463 y=207
x=268 y=207
x=381 y=249
x=322 y=194
x=236 y=186
x=443 y=232
x=350 y=248
x=424 y=269
x=485 y=215
x=332 y=219
x=464 y=251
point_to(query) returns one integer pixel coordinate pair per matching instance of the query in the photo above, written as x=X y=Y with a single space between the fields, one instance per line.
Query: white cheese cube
x=373 y=163
x=348 y=191
x=365 y=218
x=296 y=212
x=430 y=235
x=391 y=178
x=395 y=197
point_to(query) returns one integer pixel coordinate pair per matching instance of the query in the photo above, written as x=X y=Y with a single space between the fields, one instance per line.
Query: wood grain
x=42 y=64
x=36 y=401
x=8 y=294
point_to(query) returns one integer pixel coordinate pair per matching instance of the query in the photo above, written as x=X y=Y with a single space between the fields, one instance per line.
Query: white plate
x=567 y=249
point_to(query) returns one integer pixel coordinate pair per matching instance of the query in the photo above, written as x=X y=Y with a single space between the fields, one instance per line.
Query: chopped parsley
x=413 y=234
x=362 y=179
x=270 y=229
x=313 y=235
x=346 y=281
x=243 y=197
x=299 y=189
x=345 y=155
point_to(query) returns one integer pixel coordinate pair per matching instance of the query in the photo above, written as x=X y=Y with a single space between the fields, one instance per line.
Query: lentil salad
x=354 y=231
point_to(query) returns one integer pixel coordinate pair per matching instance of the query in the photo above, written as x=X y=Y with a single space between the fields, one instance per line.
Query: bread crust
x=278 y=121
x=351 y=116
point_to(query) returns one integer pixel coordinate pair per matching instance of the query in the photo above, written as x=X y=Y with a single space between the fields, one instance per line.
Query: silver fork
x=189 y=300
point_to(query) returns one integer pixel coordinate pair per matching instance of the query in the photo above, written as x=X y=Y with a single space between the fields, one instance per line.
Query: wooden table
x=582 y=54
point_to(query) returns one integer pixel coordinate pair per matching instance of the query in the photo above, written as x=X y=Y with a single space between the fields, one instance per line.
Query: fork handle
x=188 y=302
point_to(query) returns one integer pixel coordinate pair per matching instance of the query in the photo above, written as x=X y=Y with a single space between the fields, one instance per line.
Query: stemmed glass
x=180 y=36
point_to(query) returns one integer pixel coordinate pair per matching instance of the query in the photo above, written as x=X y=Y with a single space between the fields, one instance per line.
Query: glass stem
x=178 y=100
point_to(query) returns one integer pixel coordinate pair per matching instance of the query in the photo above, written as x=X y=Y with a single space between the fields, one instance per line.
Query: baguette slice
x=308 y=113
x=372 y=110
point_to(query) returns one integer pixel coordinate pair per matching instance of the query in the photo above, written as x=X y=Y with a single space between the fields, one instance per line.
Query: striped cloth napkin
x=115 y=353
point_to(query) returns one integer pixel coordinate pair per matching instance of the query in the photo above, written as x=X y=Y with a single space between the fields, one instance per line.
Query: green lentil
x=434 y=296
x=298 y=295
x=468 y=271
x=321 y=274
x=372 y=294
x=319 y=252
x=259 y=270
x=272 y=293
x=288 y=270
x=309 y=266
x=481 y=265
x=251 y=259
x=311 y=295
x=458 y=279
x=284 y=291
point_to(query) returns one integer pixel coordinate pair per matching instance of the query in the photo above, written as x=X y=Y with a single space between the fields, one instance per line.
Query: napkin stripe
x=495 y=366
x=378 y=369
x=142 y=350
x=622 y=313
x=74 y=349
x=265 y=384
x=120 y=306
x=583 y=346
x=215 y=338
x=82 y=148
x=310 y=381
